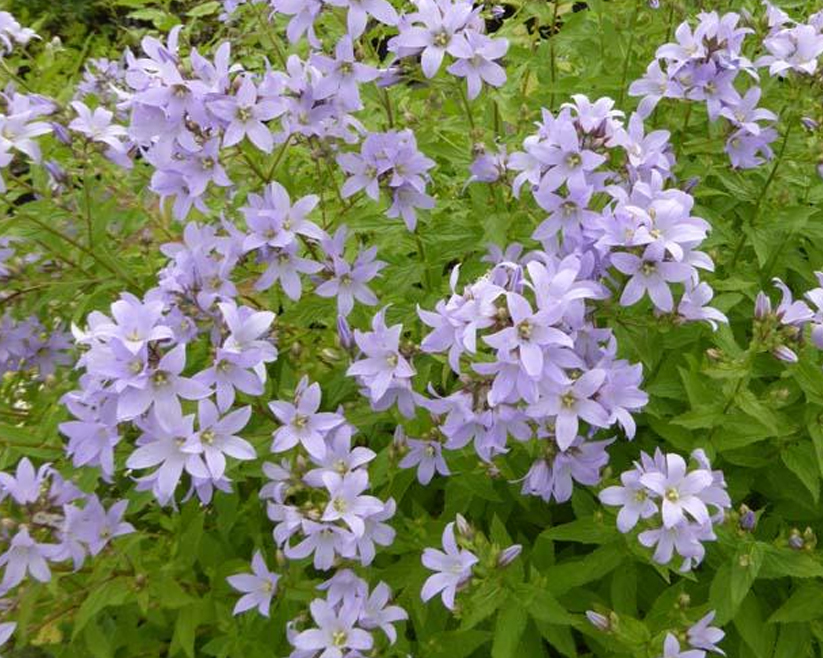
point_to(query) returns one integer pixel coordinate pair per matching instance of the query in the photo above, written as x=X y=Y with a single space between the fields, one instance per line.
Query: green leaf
x=801 y=460
x=749 y=622
x=206 y=9
x=589 y=530
x=805 y=604
x=112 y=593
x=744 y=568
x=794 y=641
x=780 y=562
x=511 y=622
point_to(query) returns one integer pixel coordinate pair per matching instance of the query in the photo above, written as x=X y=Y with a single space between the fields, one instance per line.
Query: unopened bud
x=748 y=519
x=796 y=540
x=344 y=333
x=601 y=622
x=714 y=354
x=463 y=527
x=690 y=184
x=61 y=133
x=809 y=123
x=785 y=354
x=509 y=555
x=762 y=306
x=684 y=601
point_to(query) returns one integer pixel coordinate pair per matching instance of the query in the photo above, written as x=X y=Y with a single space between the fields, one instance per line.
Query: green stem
x=466 y=105
x=552 y=52
x=628 y=58
x=277 y=159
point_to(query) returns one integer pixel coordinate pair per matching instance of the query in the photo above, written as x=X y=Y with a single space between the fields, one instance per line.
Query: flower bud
x=809 y=123
x=692 y=183
x=684 y=601
x=762 y=306
x=344 y=333
x=796 y=540
x=748 y=520
x=509 y=555
x=463 y=527
x=785 y=354
x=61 y=133
x=601 y=622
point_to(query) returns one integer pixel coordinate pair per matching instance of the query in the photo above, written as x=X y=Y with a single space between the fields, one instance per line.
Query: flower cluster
x=462 y=555
x=20 y=124
x=382 y=370
x=390 y=161
x=781 y=330
x=453 y=27
x=326 y=506
x=48 y=519
x=704 y=65
x=11 y=33
x=28 y=345
x=134 y=371
x=540 y=372
x=673 y=502
x=345 y=619
x=629 y=217
x=792 y=46
x=701 y=637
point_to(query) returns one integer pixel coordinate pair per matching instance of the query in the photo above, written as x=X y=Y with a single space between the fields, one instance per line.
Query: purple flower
x=335 y=631
x=453 y=567
x=476 y=54
x=679 y=492
x=301 y=423
x=633 y=499
x=161 y=444
x=161 y=389
x=570 y=403
x=382 y=366
x=347 y=503
x=216 y=438
x=427 y=456
x=348 y=281
x=100 y=525
x=24 y=555
x=671 y=649
x=704 y=636
x=246 y=115
x=441 y=32
x=378 y=614
x=650 y=275
x=26 y=486
x=6 y=631
x=259 y=587
x=529 y=334
x=343 y=74
x=360 y=10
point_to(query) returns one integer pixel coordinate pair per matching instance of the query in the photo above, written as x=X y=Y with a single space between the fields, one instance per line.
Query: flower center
x=300 y=421
x=573 y=160
x=672 y=495
x=391 y=359
x=339 y=638
x=340 y=505
x=208 y=437
x=160 y=378
x=567 y=400
x=243 y=114
x=524 y=330
x=346 y=68
x=648 y=268
x=442 y=39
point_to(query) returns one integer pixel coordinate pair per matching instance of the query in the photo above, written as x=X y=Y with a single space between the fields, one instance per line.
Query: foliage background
x=162 y=591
